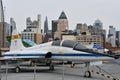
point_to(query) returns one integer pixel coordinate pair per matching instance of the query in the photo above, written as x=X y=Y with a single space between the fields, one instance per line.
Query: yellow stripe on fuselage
x=61 y=52
x=16 y=37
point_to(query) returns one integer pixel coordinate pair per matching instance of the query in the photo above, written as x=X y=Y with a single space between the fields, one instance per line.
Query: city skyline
x=79 y=11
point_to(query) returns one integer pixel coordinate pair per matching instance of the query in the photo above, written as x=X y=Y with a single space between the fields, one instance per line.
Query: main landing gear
x=51 y=67
x=17 y=69
x=32 y=63
x=48 y=61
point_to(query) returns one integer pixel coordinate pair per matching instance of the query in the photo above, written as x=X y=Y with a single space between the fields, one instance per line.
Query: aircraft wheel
x=88 y=74
x=17 y=69
x=51 y=68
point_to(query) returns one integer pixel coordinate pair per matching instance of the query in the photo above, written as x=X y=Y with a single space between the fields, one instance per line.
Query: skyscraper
x=3 y=34
x=62 y=25
x=118 y=38
x=1 y=25
x=46 y=25
x=78 y=28
x=98 y=24
x=3 y=28
x=39 y=24
x=98 y=27
x=54 y=27
x=33 y=30
x=1 y=12
x=12 y=26
x=112 y=36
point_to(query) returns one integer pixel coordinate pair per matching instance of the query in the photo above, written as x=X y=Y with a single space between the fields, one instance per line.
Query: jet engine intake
x=48 y=55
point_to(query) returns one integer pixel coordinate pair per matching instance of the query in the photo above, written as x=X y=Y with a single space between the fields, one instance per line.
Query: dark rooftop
x=62 y=15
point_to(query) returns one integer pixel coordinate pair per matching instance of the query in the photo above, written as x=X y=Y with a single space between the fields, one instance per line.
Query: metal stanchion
x=34 y=71
x=6 y=69
x=0 y=71
x=63 y=71
x=93 y=72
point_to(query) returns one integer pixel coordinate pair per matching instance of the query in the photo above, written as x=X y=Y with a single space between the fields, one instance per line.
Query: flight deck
x=108 y=71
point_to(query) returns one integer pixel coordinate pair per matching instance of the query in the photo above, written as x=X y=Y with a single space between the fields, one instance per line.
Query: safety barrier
x=106 y=76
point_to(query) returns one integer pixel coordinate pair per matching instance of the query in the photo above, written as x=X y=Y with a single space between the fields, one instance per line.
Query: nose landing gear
x=87 y=72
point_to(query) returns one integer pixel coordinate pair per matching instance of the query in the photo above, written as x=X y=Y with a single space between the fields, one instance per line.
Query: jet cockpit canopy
x=69 y=43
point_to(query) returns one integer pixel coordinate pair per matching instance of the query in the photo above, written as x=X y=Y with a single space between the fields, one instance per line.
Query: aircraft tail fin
x=16 y=42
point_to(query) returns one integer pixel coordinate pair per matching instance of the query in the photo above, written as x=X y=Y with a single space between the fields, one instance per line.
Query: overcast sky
x=77 y=11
